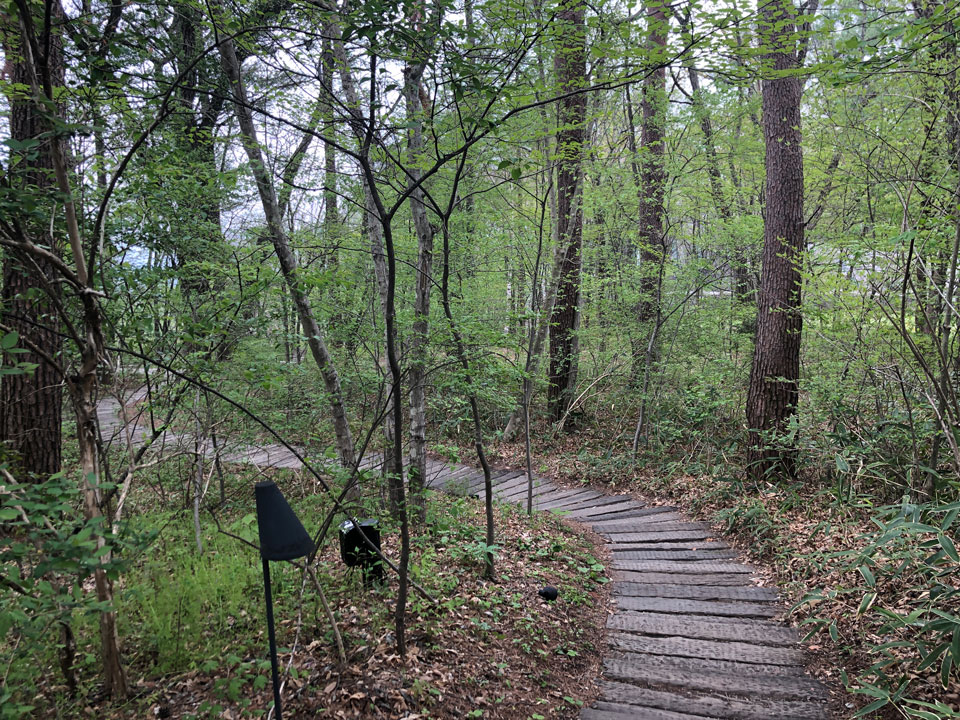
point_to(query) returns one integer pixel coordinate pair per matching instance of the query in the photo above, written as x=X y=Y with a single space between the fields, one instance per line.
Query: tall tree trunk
x=331 y=213
x=571 y=71
x=373 y=228
x=775 y=373
x=741 y=280
x=31 y=404
x=652 y=176
x=416 y=112
x=288 y=261
x=41 y=75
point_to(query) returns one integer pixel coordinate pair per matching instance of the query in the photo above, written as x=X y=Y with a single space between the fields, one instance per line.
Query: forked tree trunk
x=773 y=391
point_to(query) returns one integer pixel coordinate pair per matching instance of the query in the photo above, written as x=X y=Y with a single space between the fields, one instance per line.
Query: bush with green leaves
x=47 y=550
x=907 y=599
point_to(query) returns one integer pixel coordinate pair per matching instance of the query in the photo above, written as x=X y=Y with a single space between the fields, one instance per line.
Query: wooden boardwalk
x=692 y=635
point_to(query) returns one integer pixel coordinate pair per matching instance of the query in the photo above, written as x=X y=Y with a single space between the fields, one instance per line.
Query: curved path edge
x=692 y=636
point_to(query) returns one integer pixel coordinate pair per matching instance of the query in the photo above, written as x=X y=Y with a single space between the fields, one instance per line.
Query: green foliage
x=906 y=597
x=48 y=551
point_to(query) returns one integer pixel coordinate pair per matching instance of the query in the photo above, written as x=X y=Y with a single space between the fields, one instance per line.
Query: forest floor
x=795 y=531
x=195 y=640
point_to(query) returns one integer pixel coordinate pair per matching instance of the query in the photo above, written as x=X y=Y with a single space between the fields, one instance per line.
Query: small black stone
x=548 y=593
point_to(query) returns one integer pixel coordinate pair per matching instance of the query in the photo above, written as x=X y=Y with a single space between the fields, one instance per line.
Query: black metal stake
x=282 y=537
x=273 y=640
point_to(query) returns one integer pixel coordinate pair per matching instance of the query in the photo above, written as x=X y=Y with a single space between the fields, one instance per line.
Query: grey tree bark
x=288 y=261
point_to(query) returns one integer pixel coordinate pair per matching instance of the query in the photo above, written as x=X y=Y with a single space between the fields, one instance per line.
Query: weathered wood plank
x=656 y=536
x=623 y=505
x=571 y=499
x=556 y=494
x=512 y=481
x=706 y=578
x=698 y=679
x=677 y=526
x=631 y=514
x=643 y=553
x=647 y=516
x=708 y=665
x=694 y=592
x=699 y=544
x=593 y=500
x=755 y=632
x=476 y=483
x=455 y=479
x=649 y=511
x=714 y=705
x=541 y=488
x=620 y=562
x=707 y=649
x=648 y=523
x=696 y=607
x=610 y=711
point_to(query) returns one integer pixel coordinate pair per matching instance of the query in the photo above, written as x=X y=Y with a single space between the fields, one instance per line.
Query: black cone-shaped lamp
x=282 y=537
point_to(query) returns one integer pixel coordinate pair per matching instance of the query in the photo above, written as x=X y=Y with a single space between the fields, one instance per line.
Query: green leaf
x=931 y=657
x=8 y=513
x=9 y=340
x=875 y=705
x=842 y=465
x=949 y=548
x=949 y=519
x=21 y=145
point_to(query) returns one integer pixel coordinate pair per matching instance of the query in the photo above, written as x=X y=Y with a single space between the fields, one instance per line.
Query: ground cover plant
x=195 y=635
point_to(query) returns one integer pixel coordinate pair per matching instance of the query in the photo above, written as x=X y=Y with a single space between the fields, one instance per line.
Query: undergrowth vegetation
x=195 y=636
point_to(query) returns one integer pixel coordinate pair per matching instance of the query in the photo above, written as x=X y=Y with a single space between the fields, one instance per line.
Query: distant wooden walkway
x=692 y=637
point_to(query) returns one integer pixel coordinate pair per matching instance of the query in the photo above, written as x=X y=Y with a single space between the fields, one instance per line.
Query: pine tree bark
x=652 y=240
x=775 y=372
x=31 y=403
x=570 y=68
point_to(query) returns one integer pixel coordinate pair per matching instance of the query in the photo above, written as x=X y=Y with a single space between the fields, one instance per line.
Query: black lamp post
x=282 y=537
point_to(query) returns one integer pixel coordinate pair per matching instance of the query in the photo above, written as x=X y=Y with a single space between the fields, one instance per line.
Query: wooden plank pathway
x=692 y=635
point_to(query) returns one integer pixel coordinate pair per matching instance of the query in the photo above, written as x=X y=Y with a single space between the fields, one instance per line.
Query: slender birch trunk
x=288 y=261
